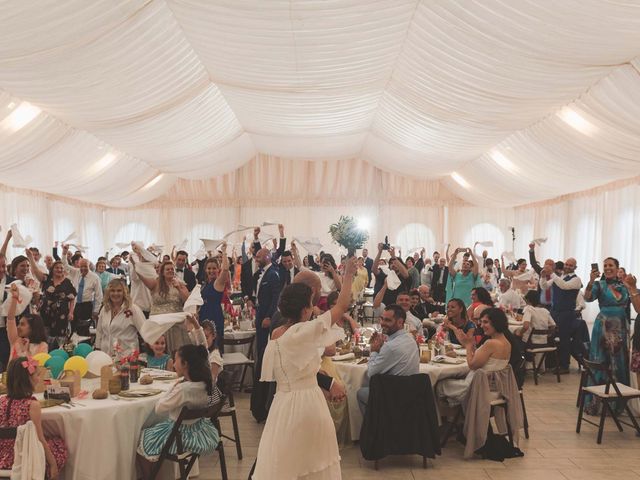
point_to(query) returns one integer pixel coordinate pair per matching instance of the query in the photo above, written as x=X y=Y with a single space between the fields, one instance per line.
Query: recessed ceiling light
x=461 y=181
x=20 y=117
x=576 y=121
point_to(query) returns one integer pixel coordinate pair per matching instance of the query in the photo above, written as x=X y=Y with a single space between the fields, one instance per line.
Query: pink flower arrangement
x=440 y=336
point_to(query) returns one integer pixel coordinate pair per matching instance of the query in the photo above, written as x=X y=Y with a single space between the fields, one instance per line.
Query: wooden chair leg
x=583 y=383
x=236 y=434
x=223 y=461
x=613 y=415
x=424 y=462
x=244 y=371
x=524 y=414
x=375 y=464
x=451 y=426
x=557 y=365
x=603 y=416
x=581 y=411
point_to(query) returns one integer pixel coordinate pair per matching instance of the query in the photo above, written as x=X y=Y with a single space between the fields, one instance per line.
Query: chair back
x=591 y=367
x=238 y=341
x=210 y=412
x=539 y=333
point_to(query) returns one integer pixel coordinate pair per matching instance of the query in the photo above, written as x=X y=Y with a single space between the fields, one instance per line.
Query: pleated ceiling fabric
x=522 y=101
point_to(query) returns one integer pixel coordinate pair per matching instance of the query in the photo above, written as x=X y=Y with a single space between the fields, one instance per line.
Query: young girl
x=215 y=359
x=157 y=356
x=19 y=406
x=28 y=337
x=194 y=391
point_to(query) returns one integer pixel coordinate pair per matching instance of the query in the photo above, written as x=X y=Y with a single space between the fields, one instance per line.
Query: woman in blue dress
x=216 y=278
x=610 y=337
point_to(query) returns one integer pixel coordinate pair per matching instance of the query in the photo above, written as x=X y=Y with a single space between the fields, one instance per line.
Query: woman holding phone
x=610 y=335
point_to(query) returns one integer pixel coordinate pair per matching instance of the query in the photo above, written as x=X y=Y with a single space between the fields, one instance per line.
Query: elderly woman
x=119 y=320
x=168 y=295
x=58 y=302
x=101 y=271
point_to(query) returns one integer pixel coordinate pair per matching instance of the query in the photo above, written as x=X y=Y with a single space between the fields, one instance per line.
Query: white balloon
x=96 y=360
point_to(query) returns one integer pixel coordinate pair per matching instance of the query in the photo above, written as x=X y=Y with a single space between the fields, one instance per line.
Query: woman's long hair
x=163 y=286
x=484 y=296
x=106 y=299
x=197 y=359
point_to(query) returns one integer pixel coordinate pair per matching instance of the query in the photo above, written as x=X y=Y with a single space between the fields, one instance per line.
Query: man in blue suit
x=5 y=280
x=267 y=292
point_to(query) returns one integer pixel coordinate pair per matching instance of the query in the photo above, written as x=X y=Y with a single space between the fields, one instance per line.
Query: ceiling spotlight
x=461 y=181
x=20 y=117
x=503 y=161
x=576 y=121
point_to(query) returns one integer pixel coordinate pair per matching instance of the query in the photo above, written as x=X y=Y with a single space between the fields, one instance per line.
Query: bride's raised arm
x=344 y=299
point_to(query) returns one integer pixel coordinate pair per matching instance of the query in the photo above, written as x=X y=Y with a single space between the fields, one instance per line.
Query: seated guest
x=28 y=337
x=508 y=297
x=395 y=355
x=493 y=355
x=347 y=322
x=456 y=319
x=194 y=391
x=157 y=355
x=211 y=341
x=414 y=323
x=479 y=296
x=426 y=305
x=19 y=406
x=120 y=320
x=534 y=317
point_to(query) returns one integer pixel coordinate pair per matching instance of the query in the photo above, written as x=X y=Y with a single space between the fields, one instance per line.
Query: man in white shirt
x=413 y=323
x=89 y=297
x=508 y=297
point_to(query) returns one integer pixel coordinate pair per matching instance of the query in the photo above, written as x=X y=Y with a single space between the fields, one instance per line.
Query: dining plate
x=50 y=402
x=139 y=393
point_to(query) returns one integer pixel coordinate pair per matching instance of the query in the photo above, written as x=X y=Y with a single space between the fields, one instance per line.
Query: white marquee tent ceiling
x=520 y=100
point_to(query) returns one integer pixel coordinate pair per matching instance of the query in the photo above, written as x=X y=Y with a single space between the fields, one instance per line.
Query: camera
x=386 y=245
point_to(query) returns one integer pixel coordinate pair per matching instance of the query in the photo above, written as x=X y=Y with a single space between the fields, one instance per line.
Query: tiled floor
x=554 y=450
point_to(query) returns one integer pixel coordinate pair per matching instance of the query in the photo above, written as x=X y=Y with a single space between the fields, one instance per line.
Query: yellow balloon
x=41 y=358
x=77 y=364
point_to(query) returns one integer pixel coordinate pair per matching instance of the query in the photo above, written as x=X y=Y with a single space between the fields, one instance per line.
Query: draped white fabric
x=515 y=97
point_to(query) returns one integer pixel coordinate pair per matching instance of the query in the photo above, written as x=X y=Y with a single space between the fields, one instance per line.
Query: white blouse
x=198 y=338
x=183 y=394
x=123 y=328
x=539 y=319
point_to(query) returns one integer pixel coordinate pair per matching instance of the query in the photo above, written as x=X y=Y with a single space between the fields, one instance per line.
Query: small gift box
x=71 y=380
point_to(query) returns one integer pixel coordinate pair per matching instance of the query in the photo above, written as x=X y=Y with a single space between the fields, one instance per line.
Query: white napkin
x=71 y=236
x=393 y=281
x=539 y=241
x=24 y=299
x=509 y=256
x=346 y=356
x=487 y=244
x=524 y=277
x=269 y=224
x=311 y=244
x=193 y=302
x=18 y=239
x=144 y=253
x=210 y=245
x=157 y=325
x=182 y=245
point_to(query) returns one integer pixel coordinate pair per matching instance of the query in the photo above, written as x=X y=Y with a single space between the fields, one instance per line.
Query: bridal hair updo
x=293 y=300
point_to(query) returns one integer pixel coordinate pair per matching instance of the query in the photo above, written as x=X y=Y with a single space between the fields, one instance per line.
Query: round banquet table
x=355 y=376
x=102 y=435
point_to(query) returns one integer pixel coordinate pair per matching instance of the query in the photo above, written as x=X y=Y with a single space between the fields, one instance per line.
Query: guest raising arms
x=217 y=277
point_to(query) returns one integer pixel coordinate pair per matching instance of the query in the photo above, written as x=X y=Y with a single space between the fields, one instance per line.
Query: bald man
x=564 y=290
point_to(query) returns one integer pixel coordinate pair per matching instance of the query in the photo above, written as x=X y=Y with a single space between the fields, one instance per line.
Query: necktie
x=547 y=295
x=80 y=289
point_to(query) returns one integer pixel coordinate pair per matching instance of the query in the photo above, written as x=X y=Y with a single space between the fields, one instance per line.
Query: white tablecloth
x=102 y=435
x=355 y=376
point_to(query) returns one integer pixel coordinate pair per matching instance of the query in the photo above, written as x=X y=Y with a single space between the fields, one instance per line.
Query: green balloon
x=83 y=349
x=56 y=365
x=58 y=352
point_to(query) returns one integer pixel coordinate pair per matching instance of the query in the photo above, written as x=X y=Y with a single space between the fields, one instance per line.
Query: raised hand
x=630 y=282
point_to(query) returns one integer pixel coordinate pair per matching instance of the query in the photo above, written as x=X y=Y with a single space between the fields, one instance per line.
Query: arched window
x=415 y=236
x=487 y=232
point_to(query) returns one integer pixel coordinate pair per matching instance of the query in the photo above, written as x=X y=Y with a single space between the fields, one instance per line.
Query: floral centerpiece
x=347 y=234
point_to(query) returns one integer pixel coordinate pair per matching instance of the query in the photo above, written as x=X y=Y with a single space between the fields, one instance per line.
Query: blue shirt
x=399 y=355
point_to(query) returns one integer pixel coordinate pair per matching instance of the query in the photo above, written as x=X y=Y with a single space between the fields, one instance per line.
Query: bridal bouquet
x=347 y=234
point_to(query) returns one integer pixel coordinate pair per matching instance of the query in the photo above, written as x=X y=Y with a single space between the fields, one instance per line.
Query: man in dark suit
x=268 y=288
x=368 y=263
x=249 y=268
x=5 y=280
x=183 y=272
x=114 y=268
x=439 y=280
x=287 y=269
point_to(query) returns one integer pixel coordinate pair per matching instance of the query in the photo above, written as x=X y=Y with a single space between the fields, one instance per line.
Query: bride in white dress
x=299 y=438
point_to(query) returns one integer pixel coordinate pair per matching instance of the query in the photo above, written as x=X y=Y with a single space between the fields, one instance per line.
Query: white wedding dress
x=299 y=438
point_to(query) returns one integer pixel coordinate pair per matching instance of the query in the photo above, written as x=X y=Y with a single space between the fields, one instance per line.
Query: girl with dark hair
x=479 y=296
x=215 y=358
x=610 y=335
x=457 y=319
x=493 y=355
x=195 y=390
x=28 y=337
x=299 y=438
x=19 y=406
x=330 y=280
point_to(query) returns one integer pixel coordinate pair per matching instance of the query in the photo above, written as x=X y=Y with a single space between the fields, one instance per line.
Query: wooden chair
x=520 y=378
x=238 y=358
x=229 y=410
x=542 y=349
x=184 y=459
x=611 y=391
x=7 y=433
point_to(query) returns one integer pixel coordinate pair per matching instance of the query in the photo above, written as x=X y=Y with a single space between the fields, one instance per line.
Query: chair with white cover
x=29 y=460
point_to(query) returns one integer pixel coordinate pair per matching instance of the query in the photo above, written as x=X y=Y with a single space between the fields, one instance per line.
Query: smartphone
x=594 y=266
